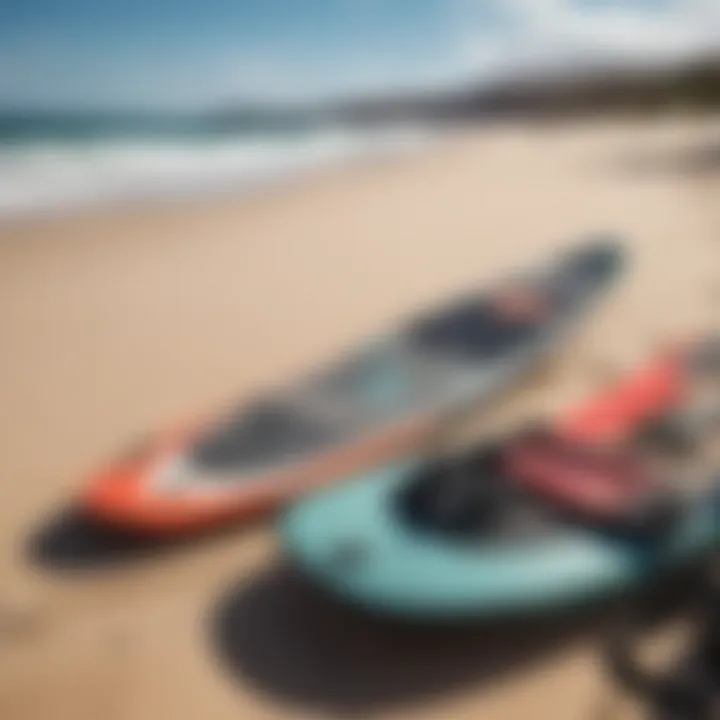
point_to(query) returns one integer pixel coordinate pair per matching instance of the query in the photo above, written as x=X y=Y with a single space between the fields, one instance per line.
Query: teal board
x=349 y=541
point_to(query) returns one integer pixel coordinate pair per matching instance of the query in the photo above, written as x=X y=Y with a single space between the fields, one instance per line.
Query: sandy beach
x=115 y=321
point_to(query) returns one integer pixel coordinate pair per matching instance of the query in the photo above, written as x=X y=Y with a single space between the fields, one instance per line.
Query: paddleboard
x=381 y=400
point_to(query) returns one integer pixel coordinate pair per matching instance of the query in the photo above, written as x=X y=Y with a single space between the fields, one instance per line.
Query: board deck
x=436 y=360
x=377 y=401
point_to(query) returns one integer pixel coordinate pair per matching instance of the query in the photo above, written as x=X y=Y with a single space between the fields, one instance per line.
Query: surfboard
x=379 y=400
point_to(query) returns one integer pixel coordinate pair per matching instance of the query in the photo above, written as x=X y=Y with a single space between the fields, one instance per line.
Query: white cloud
x=567 y=34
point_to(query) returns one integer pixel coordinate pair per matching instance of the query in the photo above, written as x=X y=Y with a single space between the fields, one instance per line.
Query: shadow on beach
x=286 y=638
x=70 y=541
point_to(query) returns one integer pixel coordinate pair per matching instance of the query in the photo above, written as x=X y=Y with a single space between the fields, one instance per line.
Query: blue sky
x=194 y=53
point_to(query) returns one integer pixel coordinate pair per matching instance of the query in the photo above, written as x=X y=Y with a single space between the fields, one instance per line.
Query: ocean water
x=43 y=170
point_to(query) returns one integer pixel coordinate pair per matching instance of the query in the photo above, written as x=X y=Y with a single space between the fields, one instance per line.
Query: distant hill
x=692 y=85
x=695 y=84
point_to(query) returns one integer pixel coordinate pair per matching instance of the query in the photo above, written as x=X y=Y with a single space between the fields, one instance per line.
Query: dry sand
x=113 y=322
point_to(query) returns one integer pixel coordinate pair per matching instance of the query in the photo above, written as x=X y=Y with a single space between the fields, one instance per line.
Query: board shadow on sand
x=68 y=540
x=289 y=640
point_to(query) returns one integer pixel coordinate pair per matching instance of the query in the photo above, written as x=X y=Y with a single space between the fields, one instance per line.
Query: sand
x=114 y=321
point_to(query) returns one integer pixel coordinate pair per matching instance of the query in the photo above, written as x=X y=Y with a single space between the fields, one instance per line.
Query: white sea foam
x=41 y=176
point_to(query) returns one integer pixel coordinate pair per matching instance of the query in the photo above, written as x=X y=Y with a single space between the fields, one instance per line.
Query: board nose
x=600 y=259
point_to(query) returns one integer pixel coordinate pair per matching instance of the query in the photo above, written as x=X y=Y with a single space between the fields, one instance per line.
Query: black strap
x=690 y=689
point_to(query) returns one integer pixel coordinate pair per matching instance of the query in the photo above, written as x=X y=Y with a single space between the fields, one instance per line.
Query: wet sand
x=114 y=321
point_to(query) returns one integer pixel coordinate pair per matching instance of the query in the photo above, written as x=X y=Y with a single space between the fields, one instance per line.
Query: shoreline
x=165 y=199
x=123 y=173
